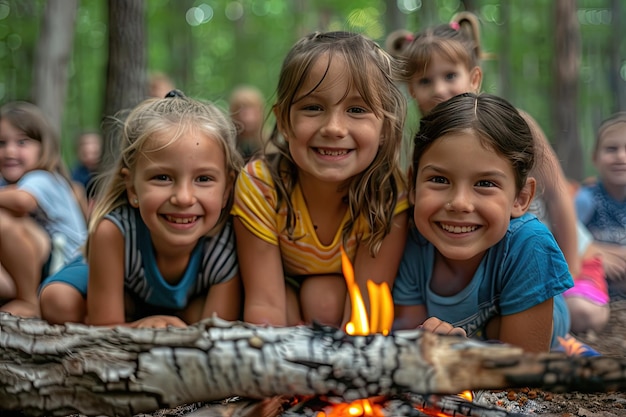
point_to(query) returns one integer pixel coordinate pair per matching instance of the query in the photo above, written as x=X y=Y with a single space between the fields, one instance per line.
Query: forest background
x=563 y=61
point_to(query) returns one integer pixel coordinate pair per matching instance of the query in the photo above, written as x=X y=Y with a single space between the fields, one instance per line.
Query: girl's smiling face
x=19 y=154
x=464 y=196
x=441 y=80
x=335 y=133
x=179 y=188
x=610 y=158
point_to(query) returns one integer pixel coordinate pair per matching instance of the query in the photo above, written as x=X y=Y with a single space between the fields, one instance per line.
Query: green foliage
x=208 y=47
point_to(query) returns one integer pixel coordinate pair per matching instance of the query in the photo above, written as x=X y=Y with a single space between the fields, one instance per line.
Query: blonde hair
x=150 y=117
x=245 y=95
x=458 y=41
x=29 y=119
x=373 y=193
x=615 y=119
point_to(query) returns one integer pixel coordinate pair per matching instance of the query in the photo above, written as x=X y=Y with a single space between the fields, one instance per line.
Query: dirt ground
x=611 y=341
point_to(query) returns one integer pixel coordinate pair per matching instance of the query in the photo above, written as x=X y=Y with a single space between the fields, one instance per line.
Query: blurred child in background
x=246 y=110
x=40 y=214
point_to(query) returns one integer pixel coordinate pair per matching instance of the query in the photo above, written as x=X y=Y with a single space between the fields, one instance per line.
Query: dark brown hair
x=496 y=122
x=374 y=74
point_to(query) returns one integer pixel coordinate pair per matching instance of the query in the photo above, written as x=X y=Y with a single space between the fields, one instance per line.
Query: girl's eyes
x=439 y=180
x=357 y=110
x=312 y=107
x=164 y=178
x=451 y=76
x=424 y=81
x=485 y=183
x=20 y=142
x=444 y=180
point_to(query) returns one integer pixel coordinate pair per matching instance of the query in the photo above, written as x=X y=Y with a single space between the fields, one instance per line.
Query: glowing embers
x=357 y=408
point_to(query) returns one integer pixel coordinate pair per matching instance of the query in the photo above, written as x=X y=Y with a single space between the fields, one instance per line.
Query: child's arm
x=224 y=299
x=18 y=202
x=613 y=259
x=561 y=211
x=105 y=290
x=409 y=316
x=530 y=329
x=263 y=278
x=383 y=267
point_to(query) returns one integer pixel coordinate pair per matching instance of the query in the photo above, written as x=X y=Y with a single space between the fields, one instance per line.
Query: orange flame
x=380 y=320
x=381 y=304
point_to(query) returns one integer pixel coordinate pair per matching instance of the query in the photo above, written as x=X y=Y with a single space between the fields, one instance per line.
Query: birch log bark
x=60 y=370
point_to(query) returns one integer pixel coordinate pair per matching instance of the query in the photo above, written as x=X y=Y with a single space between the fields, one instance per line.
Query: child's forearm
x=18 y=202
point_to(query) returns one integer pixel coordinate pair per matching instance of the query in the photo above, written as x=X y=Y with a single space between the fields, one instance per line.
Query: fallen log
x=60 y=370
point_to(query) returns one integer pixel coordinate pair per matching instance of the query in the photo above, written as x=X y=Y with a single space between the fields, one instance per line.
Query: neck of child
x=616 y=191
x=331 y=193
x=451 y=276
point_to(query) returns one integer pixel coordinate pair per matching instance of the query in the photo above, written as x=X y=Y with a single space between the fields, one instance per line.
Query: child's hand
x=435 y=325
x=158 y=322
x=614 y=267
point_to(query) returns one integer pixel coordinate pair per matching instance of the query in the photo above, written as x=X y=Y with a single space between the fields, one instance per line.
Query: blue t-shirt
x=524 y=269
x=213 y=260
x=604 y=216
x=58 y=211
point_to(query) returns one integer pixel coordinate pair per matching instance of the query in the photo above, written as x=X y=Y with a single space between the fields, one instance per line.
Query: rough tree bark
x=567 y=71
x=54 y=49
x=60 y=370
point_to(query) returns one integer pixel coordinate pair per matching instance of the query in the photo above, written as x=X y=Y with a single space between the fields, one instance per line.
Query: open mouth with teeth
x=332 y=152
x=458 y=229
x=180 y=220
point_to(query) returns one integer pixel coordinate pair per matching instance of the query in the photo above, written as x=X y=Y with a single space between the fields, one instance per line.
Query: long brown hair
x=373 y=193
x=29 y=119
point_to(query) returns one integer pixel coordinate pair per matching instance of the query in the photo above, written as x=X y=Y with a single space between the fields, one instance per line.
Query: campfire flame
x=381 y=304
x=379 y=320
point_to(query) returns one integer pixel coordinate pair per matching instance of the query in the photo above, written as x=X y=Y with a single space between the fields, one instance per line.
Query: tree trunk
x=59 y=370
x=52 y=56
x=567 y=64
x=126 y=71
x=616 y=53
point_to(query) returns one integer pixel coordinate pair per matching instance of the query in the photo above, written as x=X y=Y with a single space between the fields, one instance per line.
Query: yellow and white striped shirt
x=255 y=205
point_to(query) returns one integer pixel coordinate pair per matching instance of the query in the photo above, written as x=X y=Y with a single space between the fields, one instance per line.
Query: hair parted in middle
x=374 y=74
x=150 y=117
x=494 y=120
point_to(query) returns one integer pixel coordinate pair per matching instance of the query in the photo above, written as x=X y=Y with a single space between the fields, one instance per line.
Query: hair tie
x=409 y=37
x=455 y=25
x=175 y=93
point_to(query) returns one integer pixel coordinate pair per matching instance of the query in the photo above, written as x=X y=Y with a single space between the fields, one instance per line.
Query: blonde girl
x=335 y=181
x=161 y=249
x=38 y=206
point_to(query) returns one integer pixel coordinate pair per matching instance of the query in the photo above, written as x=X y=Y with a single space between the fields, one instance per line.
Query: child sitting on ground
x=39 y=208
